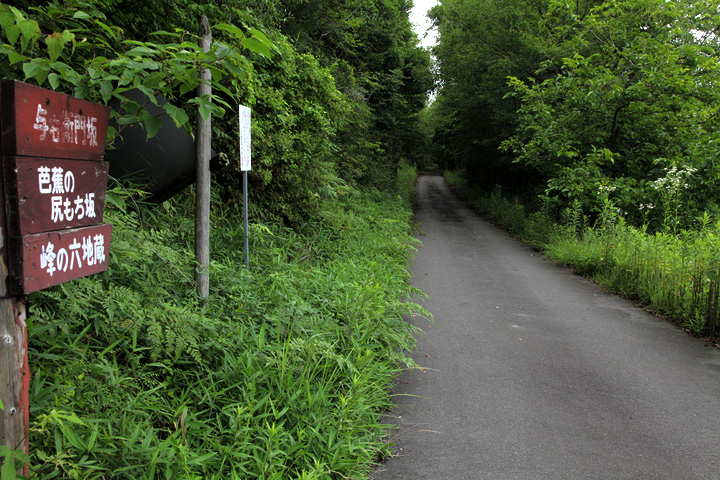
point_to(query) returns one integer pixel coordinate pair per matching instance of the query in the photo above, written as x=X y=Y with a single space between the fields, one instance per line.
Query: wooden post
x=14 y=370
x=202 y=207
x=14 y=375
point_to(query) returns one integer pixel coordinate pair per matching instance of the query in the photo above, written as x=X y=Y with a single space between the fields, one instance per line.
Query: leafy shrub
x=282 y=372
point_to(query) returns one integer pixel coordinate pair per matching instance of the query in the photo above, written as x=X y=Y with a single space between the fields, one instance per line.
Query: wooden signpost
x=52 y=198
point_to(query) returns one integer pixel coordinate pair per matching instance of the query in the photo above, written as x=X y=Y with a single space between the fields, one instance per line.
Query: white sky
x=421 y=22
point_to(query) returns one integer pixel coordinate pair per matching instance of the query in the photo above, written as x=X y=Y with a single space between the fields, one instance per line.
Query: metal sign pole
x=245 y=143
x=245 y=219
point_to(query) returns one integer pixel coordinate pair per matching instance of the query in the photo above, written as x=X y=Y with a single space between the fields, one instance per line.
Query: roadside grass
x=282 y=373
x=674 y=272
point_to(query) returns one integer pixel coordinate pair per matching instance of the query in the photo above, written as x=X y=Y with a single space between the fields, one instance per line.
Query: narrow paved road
x=532 y=372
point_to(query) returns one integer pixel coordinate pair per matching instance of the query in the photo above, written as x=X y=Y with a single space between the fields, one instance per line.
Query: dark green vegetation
x=599 y=119
x=335 y=87
x=584 y=100
x=283 y=375
x=284 y=370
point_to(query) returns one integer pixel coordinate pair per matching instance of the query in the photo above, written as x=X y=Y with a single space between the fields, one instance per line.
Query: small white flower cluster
x=607 y=188
x=674 y=179
x=649 y=206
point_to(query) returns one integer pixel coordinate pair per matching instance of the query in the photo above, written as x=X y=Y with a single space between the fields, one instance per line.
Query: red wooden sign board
x=51 y=194
x=53 y=258
x=54 y=179
x=42 y=123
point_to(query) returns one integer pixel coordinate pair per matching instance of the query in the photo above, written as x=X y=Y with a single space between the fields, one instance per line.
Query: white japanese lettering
x=68 y=136
x=91 y=131
x=75 y=254
x=41 y=121
x=90 y=205
x=69 y=128
x=54 y=130
x=57 y=180
x=79 y=208
x=88 y=250
x=99 y=248
x=62 y=260
x=47 y=258
x=68 y=211
x=44 y=180
x=56 y=213
x=69 y=182
x=79 y=126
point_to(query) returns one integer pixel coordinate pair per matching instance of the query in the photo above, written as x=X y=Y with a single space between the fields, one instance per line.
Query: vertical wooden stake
x=14 y=375
x=202 y=208
x=14 y=370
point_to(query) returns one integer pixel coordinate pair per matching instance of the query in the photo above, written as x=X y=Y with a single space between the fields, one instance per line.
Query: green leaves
x=56 y=43
x=7 y=16
x=621 y=98
x=15 y=25
x=206 y=107
x=257 y=43
x=8 y=470
x=179 y=116
x=152 y=124
x=168 y=69
x=37 y=69
x=283 y=372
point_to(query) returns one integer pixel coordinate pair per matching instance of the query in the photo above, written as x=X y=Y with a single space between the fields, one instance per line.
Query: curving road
x=532 y=372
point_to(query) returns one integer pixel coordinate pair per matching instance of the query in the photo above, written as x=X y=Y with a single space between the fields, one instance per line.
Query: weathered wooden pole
x=14 y=370
x=14 y=375
x=202 y=207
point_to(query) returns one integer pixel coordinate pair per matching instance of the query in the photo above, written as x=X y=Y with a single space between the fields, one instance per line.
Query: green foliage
x=11 y=461
x=406 y=176
x=296 y=120
x=283 y=372
x=72 y=47
x=381 y=71
x=481 y=43
x=325 y=114
x=587 y=100
x=634 y=99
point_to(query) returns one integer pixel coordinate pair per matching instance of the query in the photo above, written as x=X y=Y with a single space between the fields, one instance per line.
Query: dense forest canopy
x=583 y=100
x=335 y=87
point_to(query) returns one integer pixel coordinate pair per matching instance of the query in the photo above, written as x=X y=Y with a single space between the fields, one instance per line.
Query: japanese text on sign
x=91 y=251
x=70 y=128
x=52 y=258
x=245 y=142
x=59 y=183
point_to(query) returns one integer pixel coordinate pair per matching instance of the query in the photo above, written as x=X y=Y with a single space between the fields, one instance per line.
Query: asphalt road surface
x=532 y=372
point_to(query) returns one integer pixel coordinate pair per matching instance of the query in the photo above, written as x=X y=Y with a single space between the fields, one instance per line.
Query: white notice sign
x=244 y=138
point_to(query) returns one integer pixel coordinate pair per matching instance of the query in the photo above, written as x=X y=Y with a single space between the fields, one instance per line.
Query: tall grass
x=282 y=373
x=675 y=272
